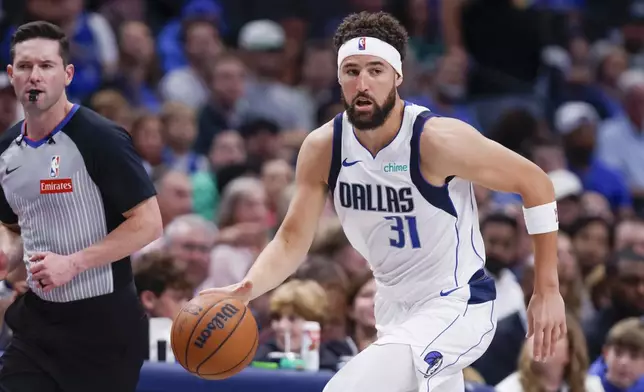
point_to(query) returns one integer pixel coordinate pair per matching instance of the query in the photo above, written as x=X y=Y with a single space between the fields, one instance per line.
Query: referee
x=74 y=191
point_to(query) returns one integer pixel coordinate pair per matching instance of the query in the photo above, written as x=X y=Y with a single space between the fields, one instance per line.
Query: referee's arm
x=11 y=251
x=124 y=184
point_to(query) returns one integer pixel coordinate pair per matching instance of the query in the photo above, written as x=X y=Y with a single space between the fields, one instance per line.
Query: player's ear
x=399 y=80
x=10 y=73
x=69 y=74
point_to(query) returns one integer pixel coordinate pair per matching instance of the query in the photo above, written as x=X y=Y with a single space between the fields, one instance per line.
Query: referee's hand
x=51 y=270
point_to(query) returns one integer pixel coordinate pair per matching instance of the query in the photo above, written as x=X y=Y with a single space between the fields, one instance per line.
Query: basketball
x=214 y=337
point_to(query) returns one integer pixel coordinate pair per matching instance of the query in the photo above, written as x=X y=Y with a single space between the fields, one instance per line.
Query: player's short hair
x=380 y=25
x=41 y=29
x=627 y=334
x=157 y=271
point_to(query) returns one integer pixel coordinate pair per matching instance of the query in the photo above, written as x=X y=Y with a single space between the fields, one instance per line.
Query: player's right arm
x=288 y=249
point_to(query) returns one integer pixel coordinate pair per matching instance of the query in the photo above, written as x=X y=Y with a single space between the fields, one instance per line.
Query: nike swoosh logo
x=7 y=171
x=347 y=164
x=448 y=292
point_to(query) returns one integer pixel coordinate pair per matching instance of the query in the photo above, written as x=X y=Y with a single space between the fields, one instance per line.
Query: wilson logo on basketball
x=61 y=185
x=217 y=322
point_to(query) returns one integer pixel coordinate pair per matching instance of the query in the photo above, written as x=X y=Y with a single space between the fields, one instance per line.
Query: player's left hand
x=52 y=270
x=546 y=321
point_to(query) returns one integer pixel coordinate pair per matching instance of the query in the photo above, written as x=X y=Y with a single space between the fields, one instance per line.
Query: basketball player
x=74 y=192
x=401 y=179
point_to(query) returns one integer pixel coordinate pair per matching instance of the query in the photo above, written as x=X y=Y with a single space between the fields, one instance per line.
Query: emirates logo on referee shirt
x=59 y=185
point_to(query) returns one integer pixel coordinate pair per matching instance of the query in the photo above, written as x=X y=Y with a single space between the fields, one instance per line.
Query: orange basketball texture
x=214 y=337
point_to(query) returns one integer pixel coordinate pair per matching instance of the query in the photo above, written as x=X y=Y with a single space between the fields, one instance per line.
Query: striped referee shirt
x=68 y=190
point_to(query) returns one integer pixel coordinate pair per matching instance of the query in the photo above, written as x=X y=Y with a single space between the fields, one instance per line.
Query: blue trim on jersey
x=472 y=229
x=482 y=288
x=458 y=242
x=436 y=196
x=405 y=103
x=40 y=142
x=336 y=152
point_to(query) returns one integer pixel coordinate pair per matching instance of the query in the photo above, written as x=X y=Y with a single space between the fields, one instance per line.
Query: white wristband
x=541 y=219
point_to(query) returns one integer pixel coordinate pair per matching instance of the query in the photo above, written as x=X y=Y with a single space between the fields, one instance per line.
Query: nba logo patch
x=54 y=169
x=362 y=43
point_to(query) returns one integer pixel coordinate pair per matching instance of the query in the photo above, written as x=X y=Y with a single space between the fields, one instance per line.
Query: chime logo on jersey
x=54 y=168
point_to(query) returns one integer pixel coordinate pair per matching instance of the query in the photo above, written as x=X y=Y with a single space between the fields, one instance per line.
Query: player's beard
x=369 y=121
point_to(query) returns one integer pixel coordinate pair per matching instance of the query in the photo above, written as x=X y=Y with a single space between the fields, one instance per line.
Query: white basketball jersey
x=420 y=240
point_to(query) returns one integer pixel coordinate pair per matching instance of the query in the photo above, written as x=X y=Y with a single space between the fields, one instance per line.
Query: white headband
x=371 y=47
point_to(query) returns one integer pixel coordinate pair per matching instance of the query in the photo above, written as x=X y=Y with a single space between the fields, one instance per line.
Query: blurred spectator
x=161 y=285
x=331 y=242
x=592 y=239
x=594 y=204
x=577 y=123
x=174 y=194
x=630 y=234
x=139 y=70
x=112 y=105
x=179 y=131
x=225 y=108
x=568 y=191
x=276 y=175
x=335 y=282
x=505 y=132
x=93 y=46
x=319 y=78
x=421 y=18
x=625 y=275
x=10 y=111
x=362 y=313
x=190 y=239
x=621 y=367
x=548 y=155
x=227 y=149
x=202 y=45
x=449 y=90
x=566 y=370
x=243 y=225
x=610 y=62
x=170 y=39
x=263 y=141
x=500 y=237
x=292 y=304
x=148 y=142
x=621 y=144
x=502 y=356
x=262 y=44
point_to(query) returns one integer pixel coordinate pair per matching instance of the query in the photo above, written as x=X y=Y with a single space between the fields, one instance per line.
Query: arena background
x=219 y=94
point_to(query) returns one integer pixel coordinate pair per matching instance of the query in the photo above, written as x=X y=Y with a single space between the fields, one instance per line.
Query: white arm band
x=541 y=219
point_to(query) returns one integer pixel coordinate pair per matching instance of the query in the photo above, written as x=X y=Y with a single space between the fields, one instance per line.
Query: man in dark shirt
x=74 y=191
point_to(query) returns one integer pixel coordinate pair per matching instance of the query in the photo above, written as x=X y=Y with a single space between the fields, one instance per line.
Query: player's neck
x=375 y=140
x=40 y=123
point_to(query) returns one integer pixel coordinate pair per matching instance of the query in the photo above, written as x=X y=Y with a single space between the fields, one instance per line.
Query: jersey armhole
x=336 y=153
x=436 y=196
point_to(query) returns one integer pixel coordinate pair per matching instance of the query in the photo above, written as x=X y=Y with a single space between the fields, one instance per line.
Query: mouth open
x=363 y=103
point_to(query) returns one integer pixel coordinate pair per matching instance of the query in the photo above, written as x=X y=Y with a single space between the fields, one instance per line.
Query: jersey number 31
x=400 y=225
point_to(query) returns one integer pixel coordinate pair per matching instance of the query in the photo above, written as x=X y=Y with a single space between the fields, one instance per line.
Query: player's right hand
x=241 y=291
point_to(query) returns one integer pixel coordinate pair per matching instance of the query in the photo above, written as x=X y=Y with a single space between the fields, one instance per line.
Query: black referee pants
x=92 y=345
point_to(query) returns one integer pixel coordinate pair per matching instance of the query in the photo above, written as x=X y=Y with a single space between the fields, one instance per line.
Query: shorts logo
x=362 y=43
x=434 y=360
x=60 y=185
x=54 y=168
